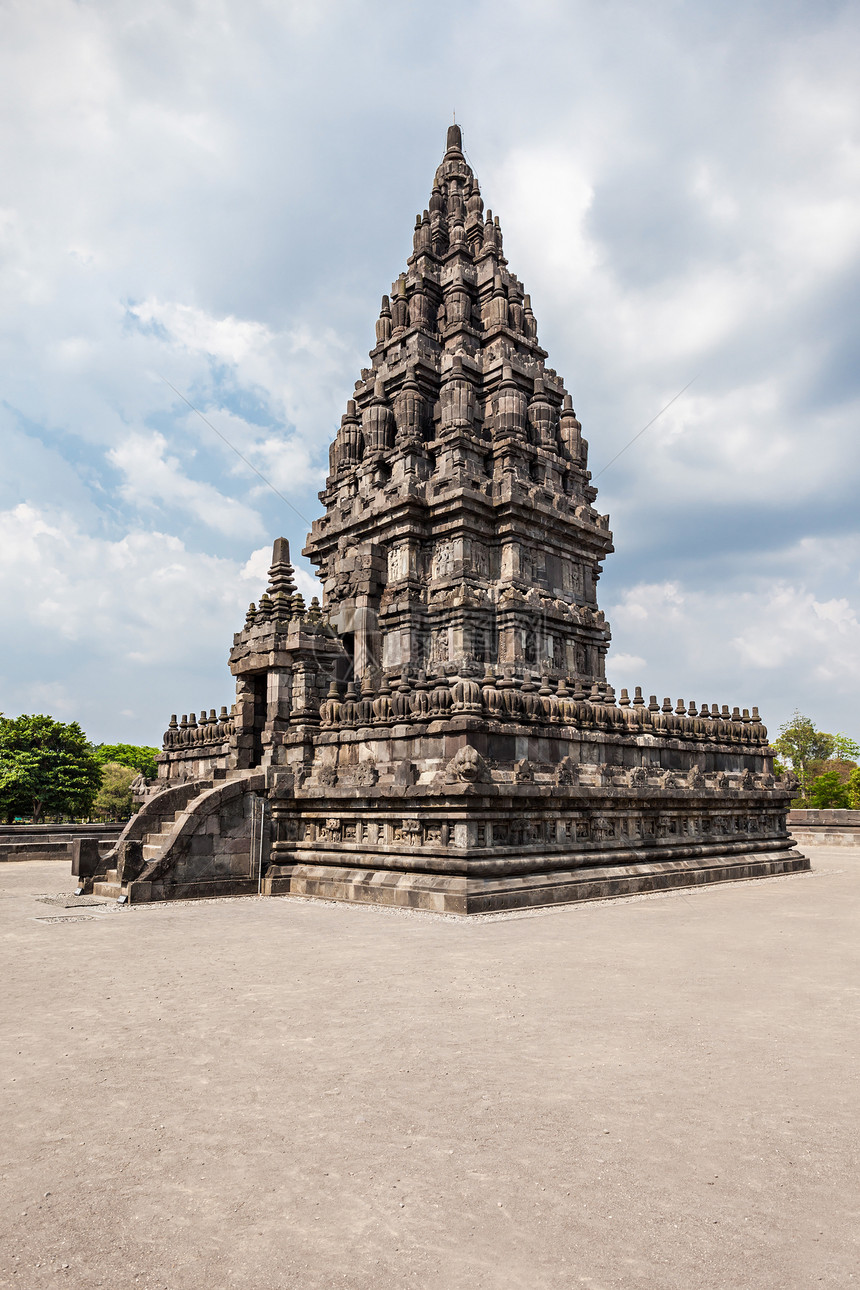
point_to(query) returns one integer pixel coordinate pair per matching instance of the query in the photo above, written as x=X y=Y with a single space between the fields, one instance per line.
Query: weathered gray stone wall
x=825 y=828
x=51 y=841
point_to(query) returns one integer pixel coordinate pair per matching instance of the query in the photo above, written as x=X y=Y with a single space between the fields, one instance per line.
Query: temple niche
x=439 y=731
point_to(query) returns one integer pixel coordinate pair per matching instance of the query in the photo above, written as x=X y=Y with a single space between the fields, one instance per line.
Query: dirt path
x=658 y=1093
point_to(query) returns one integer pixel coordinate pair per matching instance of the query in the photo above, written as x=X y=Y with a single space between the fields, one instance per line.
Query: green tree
x=799 y=742
x=46 y=767
x=845 y=749
x=114 y=800
x=853 y=787
x=140 y=758
x=827 y=792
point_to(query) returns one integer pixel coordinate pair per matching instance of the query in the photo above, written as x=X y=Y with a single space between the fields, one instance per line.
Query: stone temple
x=439 y=733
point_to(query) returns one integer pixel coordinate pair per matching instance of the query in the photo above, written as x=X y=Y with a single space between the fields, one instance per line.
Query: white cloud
x=291 y=370
x=99 y=622
x=685 y=202
x=233 y=340
x=792 y=627
x=138 y=595
x=772 y=643
x=624 y=664
x=154 y=480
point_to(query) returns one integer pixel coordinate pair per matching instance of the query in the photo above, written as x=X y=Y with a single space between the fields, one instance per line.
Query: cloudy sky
x=213 y=196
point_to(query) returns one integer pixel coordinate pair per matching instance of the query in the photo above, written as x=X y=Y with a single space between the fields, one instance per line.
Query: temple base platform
x=464 y=894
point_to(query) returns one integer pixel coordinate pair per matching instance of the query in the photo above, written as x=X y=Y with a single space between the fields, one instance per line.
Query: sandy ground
x=659 y=1092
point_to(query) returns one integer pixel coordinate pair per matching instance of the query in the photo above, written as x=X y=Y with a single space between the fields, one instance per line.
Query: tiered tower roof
x=460 y=523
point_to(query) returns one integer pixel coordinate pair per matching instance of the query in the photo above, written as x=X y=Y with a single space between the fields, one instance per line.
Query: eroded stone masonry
x=440 y=733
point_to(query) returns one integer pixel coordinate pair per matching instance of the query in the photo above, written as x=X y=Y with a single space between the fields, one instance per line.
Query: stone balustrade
x=216 y=728
x=534 y=700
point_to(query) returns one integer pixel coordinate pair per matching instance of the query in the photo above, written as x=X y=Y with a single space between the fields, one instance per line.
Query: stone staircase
x=108 y=885
x=154 y=838
x=159 y=842
x=151 y=826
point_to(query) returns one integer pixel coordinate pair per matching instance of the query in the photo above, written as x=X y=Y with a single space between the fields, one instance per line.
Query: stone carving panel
x=443 y=559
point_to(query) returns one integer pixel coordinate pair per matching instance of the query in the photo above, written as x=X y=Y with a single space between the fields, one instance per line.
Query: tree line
x=825 y=765
x=50 y=770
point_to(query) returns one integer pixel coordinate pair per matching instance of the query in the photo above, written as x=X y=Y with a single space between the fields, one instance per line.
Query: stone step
x=157 y=839
x=151 y=851
x=112 y=889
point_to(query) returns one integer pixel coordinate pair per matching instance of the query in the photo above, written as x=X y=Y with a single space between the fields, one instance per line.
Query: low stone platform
x=825 y=828
x=461 y=894
x=52 y=841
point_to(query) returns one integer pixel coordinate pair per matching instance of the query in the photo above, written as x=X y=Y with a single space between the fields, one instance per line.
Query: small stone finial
x=281 y=582
x=455 y=139
x=529 y=321
x=383 y=325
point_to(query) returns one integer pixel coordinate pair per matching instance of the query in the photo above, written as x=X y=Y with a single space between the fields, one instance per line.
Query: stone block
x=85 y=857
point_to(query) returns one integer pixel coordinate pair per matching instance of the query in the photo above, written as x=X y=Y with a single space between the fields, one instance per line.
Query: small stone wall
x=52 y=841
x=825 y=828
